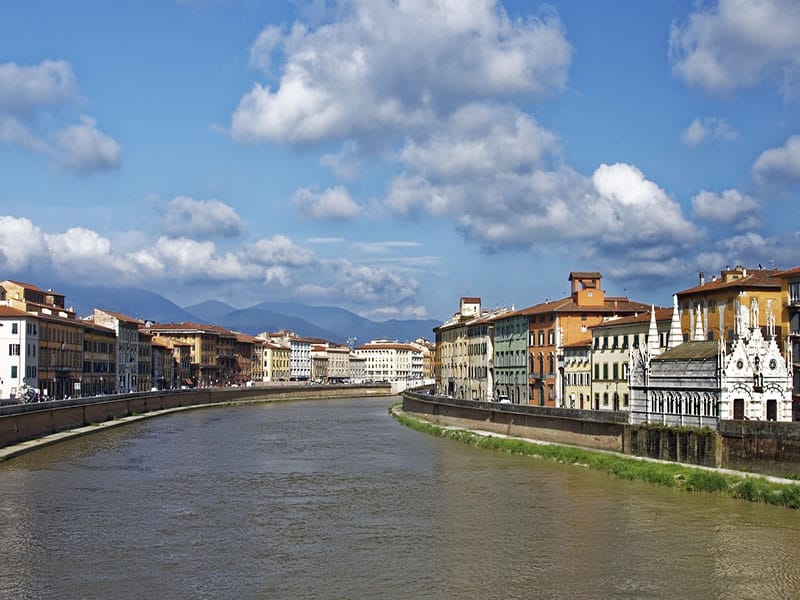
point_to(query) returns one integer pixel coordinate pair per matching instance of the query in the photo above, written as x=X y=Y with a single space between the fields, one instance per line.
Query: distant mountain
x=255 y=320
x=210 y=311
x=133 y=302
x=350 y=325
x=327 y=322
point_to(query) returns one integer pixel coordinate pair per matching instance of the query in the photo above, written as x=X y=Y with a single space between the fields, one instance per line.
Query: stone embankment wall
x=762 y=447
x=603 y=431
x=19 y=423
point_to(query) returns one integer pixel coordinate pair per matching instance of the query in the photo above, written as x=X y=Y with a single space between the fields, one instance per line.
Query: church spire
x=675 y=334
x=652 y=334
x=699 y=334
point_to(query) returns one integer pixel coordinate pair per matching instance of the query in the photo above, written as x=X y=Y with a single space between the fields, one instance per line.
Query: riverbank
x=724 y=482
x=38 y=425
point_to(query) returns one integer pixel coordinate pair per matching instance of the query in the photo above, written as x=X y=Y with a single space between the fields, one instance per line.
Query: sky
x=390 y=157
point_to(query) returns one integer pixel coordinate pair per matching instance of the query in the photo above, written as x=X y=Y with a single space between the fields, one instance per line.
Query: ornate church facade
x=699 y=382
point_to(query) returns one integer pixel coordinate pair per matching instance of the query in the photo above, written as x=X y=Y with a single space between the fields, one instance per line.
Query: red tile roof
x=662 y=314
x=754 y=279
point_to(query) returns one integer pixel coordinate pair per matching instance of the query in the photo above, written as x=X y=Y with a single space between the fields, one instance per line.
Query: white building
x=300 y=353
x=697 y=384
x=390 y=361
x=19 y=344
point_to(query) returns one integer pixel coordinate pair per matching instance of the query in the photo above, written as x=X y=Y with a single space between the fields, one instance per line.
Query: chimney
x=702 y=278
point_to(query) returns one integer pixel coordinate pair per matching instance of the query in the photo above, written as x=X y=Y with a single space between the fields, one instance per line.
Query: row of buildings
x=728 y=348
x=49 y=352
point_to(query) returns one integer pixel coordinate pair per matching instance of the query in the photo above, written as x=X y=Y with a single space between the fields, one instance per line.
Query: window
x=14 y=328
x=616 y=371
x=605 y=371
x=13 y=371
x=597 y=371
x=13 y=349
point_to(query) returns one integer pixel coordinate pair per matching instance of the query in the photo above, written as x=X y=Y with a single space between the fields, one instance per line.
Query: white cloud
x=383 y=247
x=21 y=244
x=384 y=313
x=710 y=128
x=779 y=165
x=368 y=284
x=501 y=180
x=387 y=66
x=13 y=132
x=26 y=88
x=27 y=96
x=332 y=204
x=730 y=208
x=346 y=163
x=262 y=48
x=86 y=149
x=736 y=44
x=184 y=216
x=753 y=249
x=279 y=250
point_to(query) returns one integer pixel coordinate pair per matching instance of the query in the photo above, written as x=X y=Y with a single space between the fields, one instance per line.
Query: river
x=334 y=499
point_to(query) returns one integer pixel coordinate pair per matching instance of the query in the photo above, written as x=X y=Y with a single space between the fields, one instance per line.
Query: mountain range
x=327 y=322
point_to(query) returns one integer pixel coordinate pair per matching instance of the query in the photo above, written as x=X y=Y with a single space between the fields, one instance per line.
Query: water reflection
x=336 y=500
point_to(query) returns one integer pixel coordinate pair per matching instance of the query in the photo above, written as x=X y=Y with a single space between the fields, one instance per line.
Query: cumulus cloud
x=279 y=250
x=27 y=96
x=84 y=148
x=730 y=208
x=362 y=284
x=26 y=88
x=709 y=129
x=499 y=177
x=779 y=165
x=261 y=50
x=21 y=244
x=269 y=265
x=735 y=44
x=753 y=248
x=332 y=204
x=184 y=216
x=14 y=132
x=385 y=66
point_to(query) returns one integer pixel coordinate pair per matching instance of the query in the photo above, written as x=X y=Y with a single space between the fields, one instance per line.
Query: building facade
x=699 y=383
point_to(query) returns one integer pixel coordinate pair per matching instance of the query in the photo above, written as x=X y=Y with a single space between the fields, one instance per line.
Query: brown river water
x=334 y=499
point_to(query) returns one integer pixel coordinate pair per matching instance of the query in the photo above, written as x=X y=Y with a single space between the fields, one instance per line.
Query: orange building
x=556 y=325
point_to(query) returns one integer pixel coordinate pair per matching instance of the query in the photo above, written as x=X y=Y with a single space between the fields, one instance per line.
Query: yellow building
x=789 y=323
x=99 y=359
x=720 y=308
x=203 y=343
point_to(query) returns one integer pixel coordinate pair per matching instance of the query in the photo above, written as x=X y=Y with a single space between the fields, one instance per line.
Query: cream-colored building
x=612 y=344
x=388 y=361
x=277 y=361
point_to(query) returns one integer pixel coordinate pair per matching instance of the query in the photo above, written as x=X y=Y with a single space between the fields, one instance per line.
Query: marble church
x=699 y=382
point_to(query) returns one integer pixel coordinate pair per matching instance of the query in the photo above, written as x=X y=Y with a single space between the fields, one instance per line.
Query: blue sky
x=390 y=157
